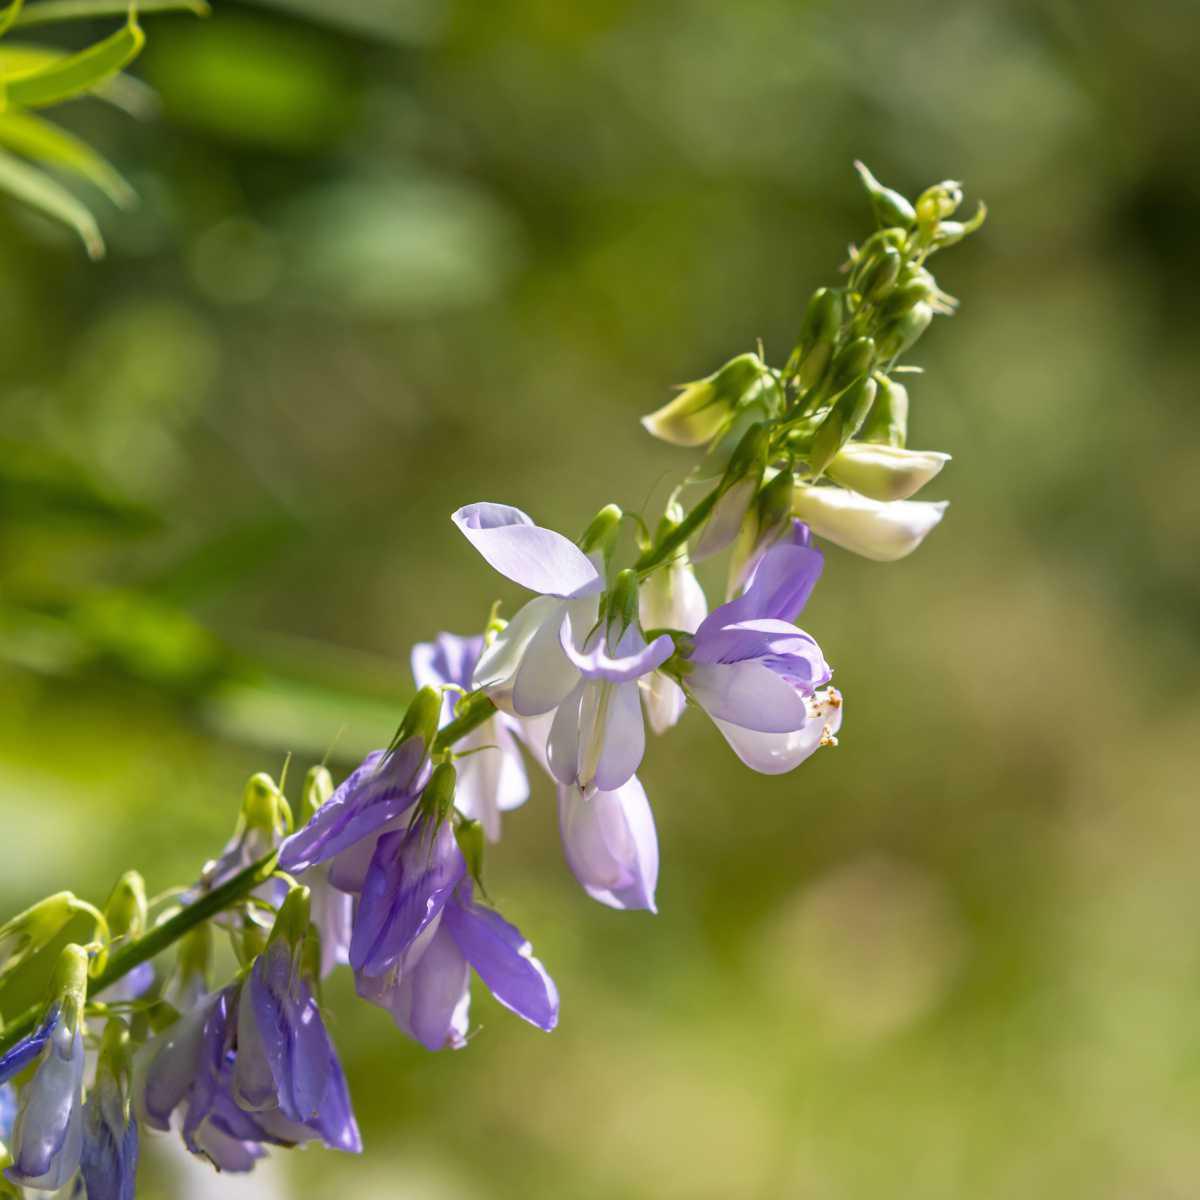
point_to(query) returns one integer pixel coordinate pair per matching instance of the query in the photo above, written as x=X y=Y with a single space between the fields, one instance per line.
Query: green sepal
x=68 y=986
x=264 y=807
x=601 y=533
x=855 y=358
x=420 y=718
x=37 y=926
x=887 y=422
x=877 y=275
x=845 y=419
x=195 y=954
x=818 y=335
x=950 y=232
x=125 y=909
x=623 y=600
x=437 y=800
x=889 y=206
x=469 y=835
x=294 y=918
x=904 y=331
x=318 y=787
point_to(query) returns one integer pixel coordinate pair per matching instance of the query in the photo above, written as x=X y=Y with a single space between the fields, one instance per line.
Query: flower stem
x=659 y=553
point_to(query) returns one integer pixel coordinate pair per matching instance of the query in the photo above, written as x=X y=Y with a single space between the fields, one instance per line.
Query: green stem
x=663 y=550
x=473 y=709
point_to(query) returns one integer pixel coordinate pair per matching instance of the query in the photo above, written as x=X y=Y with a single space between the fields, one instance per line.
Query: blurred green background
x=393 y=256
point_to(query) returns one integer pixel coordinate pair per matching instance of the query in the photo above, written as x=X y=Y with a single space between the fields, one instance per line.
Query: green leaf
x=9 y=16
x=53 y=11
x=39 y=139
x=76 y=73
x=40 y=191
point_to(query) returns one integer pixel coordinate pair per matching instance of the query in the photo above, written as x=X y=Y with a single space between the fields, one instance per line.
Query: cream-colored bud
x=883 y=532
x=884 y=472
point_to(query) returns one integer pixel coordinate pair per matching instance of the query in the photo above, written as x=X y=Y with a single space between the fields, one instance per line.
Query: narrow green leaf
x=122 y=91
x=76 y=73
x=38 y=139
x=52 y=11
x=40 y=191
x=10 y=15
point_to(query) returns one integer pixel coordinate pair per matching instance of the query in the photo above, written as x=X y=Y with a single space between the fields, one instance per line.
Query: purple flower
x=110 y=1136
x=344 y=829
x=757 y=675
x=524 y=670
x=418 y=931
x=332 y=914
x=47 y=1135
x=598 y=739
x=491 y=776
x=610 y=843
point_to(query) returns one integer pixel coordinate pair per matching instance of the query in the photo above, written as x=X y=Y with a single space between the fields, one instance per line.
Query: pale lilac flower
x=47 y=1136
x=524 y=669
x=344 y=829
x=597 y=738
x=756 y=674
x=610 y=843
x=491 y=776
x=671 y=598
x=418 y=931
x=109 y=1157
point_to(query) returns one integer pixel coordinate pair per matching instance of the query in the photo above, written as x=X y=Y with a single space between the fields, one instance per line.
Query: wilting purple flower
x=344 y=829
x=524 y=670
x=110 y=1135
x=286 y=1066
x=418 y=931
x=598 y=739
x=491 y=776
x=757 y=675
x=610 y=843
x=47 y=1135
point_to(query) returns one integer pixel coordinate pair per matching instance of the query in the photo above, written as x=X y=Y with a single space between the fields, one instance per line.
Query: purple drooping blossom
x=598 y=738
x=418 y=931
x=47 y=1135
x=757 y=675
x=491 y=776
x=610 y=843
x=524 y=669
x=109 y=1158
x=344 y=829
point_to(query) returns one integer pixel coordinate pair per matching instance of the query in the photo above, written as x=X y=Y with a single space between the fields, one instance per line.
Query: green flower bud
x=949 y=232
x=249 y=941
x=438 y=797
x=192 y=966
x=263 y=805
x=885 y=473
x=69 y=984
x=940 y=200
x=764 y=521
x=887 y=423
x=704 y=407
x=27 y=932
x=294 y=918
x=904 y=331
x=818 y=335
x=623 y=600
x=845 y=419
x=855 y=358
x=878 y=275
x=890 y=207
x=421 y=717
x=601 y=534
x=469 y=836
x=125 y=910
x=318 y=787
x=912 y=289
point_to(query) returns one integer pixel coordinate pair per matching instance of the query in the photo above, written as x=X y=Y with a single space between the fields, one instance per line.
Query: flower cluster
x=384 y=873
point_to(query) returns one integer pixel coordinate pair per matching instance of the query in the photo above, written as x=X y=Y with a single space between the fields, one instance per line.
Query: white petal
x=623 y=739
x=885 y=472
x=883 y=532
x=664 y=701
x=748 y=694
x=776 y=753
x=499 y=663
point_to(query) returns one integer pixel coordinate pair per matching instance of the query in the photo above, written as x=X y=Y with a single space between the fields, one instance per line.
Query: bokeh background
x=393 y=256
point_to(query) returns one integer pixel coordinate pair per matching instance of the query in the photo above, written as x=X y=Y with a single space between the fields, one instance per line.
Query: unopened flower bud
x=601 y=535
x=890 y=207
x=855 y=358
x=883 y=532
x=702 y=409
x=318 y=787
x=948 y=233
x=125 y=910
x=421 y=717
x=438 y=797
x=887 y=422
x=903 y=332
x=263 y=805
x=69 y=984
x=940 y=200
x=37 y=926
x=818 y=335
x=878 y=275
x=294 y=918
x=765 y=522
x=470 y=839
x=885 y=472
x=623 y=600
x=843 y=421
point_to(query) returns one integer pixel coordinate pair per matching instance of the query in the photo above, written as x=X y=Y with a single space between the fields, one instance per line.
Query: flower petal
x=624 y=739
x=748 y=694
x=726 y=518
x=776 y=753
x=503 y=959
x=779 y=588
x=47 y=1139
x=546 y=674
x=492 y=779
x=539 y=559
x=562 y=744
x=885 y=473
x=664 y=700
x=632 y=660
x=883 y=532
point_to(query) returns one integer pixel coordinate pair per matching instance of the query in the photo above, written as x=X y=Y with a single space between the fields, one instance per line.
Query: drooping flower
x=671 y=598
x=883 y=532
x=524 y=670
x=756 y=674
x=110 y=1135
x=47 y=1135
x=418 y=931
x=885 y=473
x=332 y=909
x=491 y=776
x=705 y=407
x=371 y=800
x=597 y=738
x=610 y=843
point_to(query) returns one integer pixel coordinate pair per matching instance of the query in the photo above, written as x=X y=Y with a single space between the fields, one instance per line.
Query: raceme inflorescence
x=385 y=873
